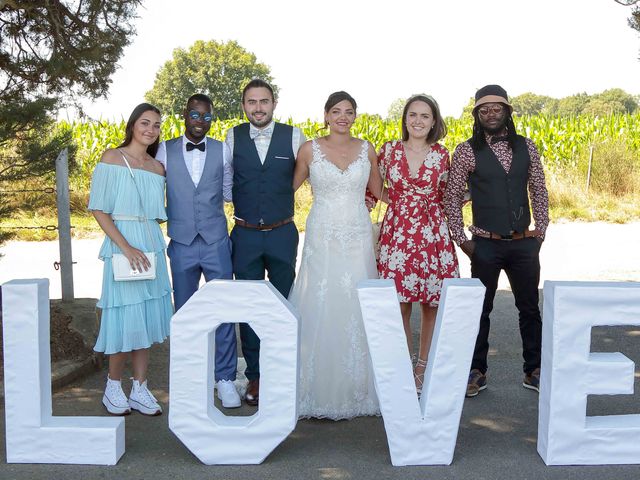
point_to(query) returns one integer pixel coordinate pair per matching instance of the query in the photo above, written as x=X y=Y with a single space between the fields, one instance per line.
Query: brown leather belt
x=513 y=236
x=262 y=227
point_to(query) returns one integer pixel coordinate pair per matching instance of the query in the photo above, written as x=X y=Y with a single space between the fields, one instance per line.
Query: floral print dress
x=415 y=246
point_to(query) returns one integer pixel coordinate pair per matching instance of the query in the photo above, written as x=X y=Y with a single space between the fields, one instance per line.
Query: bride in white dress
x=336 y=378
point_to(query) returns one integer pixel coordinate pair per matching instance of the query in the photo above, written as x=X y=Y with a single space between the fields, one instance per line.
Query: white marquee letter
x=211 y=436
x=566 y=436
x=422 y=433
x=33 y=434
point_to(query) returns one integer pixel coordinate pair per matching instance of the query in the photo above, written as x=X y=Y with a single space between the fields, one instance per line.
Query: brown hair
x=133 y=118
x=258 y=83
x=337 y=97
x=439 y=130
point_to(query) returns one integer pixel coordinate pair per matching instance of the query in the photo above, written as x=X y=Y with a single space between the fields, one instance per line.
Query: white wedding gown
x=336 y=378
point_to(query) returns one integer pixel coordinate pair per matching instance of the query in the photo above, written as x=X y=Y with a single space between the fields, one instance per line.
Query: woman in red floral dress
x=416 y=250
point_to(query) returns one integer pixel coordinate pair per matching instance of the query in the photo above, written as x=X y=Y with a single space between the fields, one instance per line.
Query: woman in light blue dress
x=135 y=314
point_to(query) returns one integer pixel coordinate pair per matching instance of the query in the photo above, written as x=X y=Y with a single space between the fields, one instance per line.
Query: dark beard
x=496 y=130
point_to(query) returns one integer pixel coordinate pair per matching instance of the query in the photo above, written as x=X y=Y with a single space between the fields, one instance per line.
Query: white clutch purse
x=122 y=271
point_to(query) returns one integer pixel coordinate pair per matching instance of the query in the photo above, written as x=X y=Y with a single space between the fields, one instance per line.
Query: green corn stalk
x=559 y=139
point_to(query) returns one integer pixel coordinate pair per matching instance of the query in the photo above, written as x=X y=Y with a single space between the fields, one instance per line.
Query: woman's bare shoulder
x=112 y=156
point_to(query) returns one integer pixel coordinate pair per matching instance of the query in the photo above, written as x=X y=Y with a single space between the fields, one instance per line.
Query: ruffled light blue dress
x=134 y=314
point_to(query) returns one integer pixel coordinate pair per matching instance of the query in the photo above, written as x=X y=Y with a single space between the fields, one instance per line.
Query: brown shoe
x=253 y=392
x=477 y=382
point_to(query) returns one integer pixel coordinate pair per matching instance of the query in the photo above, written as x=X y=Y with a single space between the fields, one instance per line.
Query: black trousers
x=520 y=261
x=253 y=253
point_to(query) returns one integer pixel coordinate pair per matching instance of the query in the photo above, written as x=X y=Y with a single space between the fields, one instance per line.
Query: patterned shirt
x=464 y=163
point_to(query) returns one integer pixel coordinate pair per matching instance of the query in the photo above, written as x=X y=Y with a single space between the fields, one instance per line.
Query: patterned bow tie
x=191 y=146
x=265 y=132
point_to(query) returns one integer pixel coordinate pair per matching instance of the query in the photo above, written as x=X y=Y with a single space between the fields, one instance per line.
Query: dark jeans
x=520 y=261
x=253 y=252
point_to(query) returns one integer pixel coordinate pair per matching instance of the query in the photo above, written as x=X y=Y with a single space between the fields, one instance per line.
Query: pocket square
x=281 y=158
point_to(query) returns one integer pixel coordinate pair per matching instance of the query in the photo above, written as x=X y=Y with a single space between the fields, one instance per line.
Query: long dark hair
x=439 y=130
x=479 y=141
x=337 y=97
x=133 y=118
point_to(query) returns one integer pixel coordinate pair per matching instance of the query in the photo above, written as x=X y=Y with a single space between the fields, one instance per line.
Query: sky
x=379 y=51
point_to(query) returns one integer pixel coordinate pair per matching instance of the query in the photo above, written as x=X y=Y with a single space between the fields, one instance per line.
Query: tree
x=572 y=105
x=533 y=104
x=467 y=110
x=219 y=70
x=52 y=54
x=599 y=107
x=634 y=20
x=394 y=112
x=621 y=101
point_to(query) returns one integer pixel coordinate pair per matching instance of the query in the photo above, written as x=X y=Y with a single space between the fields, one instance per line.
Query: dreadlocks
x=478 y=139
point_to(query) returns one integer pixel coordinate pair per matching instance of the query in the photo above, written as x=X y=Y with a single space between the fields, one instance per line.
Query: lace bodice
x=335 y=374
x=338 y=195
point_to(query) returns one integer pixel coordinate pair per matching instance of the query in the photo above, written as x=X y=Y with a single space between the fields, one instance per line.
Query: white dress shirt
x=262 y=139
x=195 y=160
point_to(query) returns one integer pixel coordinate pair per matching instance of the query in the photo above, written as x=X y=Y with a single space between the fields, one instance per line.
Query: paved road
x=497 y=438
x=572 y=251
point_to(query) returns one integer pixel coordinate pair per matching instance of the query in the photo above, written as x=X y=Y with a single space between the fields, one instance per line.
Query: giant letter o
x=211 y=436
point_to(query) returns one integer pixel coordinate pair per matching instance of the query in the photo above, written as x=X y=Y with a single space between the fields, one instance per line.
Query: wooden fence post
x=64 y=225
x=589 y=167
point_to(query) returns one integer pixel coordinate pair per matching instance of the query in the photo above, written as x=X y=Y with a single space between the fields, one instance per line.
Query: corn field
x=559 y=139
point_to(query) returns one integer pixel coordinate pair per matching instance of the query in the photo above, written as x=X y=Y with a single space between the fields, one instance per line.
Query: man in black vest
x=264 y=237
x=503 y=172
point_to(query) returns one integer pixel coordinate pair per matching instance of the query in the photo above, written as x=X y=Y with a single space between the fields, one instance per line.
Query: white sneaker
x=142 y=400
x=228 y=394
x=114 y=399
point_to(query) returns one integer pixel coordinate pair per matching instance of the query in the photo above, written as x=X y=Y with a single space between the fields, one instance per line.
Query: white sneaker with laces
x=228 y=394
x=142 y=400
x=114 y=399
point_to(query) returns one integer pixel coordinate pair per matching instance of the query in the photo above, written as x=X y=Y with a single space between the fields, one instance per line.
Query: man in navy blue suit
x=264 y=237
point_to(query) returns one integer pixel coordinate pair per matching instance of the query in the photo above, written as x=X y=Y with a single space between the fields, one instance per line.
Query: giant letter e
x=570 y=372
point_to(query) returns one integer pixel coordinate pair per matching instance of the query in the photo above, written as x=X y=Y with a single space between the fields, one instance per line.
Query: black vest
x=263 y=193
x=500 y=200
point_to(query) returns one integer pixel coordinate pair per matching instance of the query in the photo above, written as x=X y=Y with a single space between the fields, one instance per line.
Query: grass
x=568 y=202
x=84 y=226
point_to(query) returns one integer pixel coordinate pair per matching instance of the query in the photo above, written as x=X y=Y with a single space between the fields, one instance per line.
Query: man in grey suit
x=199 y=180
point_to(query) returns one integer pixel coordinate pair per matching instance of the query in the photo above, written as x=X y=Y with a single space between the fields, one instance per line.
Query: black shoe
x=532 y=380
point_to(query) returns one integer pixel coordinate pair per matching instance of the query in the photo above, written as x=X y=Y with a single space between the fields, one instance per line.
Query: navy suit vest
x=263 y=193
x=195 y=210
